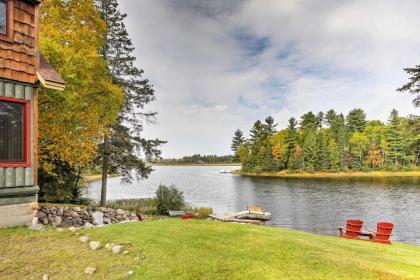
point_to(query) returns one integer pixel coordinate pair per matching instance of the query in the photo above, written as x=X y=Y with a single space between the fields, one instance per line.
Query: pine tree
x=292 y=138
x=394 y=138
x=338 y=129
x=355 y=121
x=324 y=161
x=124 y=143
x=296 y=159
x=308 y=121
x=270 y=125
x=258 y=132
x=330 y=117
x=333 y=155
x=311 y=151
x=238 y=140
x=320 y=118
x=413 y=86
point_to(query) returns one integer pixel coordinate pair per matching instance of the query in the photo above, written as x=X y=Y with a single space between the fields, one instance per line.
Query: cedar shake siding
x=19 y=48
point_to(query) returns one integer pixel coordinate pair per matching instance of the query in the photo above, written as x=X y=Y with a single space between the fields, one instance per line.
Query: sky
x=218 y=66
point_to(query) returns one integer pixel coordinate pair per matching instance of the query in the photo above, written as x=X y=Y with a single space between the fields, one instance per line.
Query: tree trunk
x=105 y=166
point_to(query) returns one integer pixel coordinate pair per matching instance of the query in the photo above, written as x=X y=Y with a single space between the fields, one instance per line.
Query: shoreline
x=331 y=175
x=196 y=164
x=97 y=177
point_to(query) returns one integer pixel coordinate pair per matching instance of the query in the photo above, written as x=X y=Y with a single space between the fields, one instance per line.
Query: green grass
x=177 y=249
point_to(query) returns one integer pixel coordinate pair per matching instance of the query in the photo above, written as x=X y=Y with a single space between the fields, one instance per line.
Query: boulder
x=41 y=215
x=88 y=225
x=77 y=209
x=56 y=221
x=120 y=212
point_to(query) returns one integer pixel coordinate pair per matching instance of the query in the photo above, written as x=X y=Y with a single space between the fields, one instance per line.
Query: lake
x=317 y=206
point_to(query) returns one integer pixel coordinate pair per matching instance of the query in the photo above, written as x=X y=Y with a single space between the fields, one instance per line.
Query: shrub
x=169 y=198
x=199 y=212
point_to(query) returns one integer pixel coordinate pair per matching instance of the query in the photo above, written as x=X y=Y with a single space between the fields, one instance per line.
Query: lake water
x=317 y=206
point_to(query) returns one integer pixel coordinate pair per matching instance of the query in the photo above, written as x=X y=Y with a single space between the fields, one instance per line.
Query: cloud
x=221 y=65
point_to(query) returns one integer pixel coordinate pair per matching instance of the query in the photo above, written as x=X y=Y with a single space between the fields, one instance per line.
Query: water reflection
x=311 y=205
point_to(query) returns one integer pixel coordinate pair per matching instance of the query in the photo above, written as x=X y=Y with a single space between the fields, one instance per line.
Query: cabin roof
x=48 y=77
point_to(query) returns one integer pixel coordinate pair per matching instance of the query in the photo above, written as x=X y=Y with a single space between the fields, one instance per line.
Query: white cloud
x=218 y=65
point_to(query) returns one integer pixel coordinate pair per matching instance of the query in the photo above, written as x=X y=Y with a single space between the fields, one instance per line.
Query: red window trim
x=26 y=134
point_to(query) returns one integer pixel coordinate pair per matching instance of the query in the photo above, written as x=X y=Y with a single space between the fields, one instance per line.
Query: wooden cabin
x=22 y=71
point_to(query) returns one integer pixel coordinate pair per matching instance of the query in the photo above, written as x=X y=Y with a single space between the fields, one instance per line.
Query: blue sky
x=221 y=65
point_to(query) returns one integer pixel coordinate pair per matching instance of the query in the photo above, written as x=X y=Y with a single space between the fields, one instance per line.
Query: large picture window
x=14 y=124
x=3 y=17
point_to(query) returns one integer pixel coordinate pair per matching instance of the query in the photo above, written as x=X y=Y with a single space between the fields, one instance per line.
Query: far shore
x=97 y=177
x=196 y=164
x=320 y=175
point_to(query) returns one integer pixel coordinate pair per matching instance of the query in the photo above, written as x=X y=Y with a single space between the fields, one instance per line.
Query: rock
x=90 y=270
x=60 y=211
x=72 y=229
x=75 y=215
x=84 y=238
x=37 y=227
x=120 y=212
x=41 y=215
x=35 y=221
x=107 y=221
x=57 y=221
x=88 y=225
x=95 y=245
x=45 y=277
x=117 y=249
x=125 y=253
x=77 y=209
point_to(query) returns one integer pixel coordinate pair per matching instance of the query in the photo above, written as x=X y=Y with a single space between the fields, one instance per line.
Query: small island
x=331 y=145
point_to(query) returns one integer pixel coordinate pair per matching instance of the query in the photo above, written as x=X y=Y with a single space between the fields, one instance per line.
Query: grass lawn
x=319 y=174
x=177 y=249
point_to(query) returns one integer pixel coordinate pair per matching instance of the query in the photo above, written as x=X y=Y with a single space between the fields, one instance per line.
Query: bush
x=169 y=198
x=199 y=212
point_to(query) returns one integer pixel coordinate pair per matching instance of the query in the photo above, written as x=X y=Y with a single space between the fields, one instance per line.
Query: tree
x=394 y=138
x=338 y=129
x=72 y=122
x=280 y=149
x=355 y=120
x=311 y=151
x=333 y=155
x=292 y=138
x=374 y=156
x=296 y=160
x=413 y=86
x=320 y=118
x=330 y=117
x=243 y=154
x=270 y=125
x=359 y=146
x=238 y=140
x=308 y=121
x=118 y=52
x=258 y=132
x=324 y=161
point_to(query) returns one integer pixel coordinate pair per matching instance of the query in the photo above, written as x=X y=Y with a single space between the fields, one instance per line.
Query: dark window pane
x=11 y=132
x=3 y=18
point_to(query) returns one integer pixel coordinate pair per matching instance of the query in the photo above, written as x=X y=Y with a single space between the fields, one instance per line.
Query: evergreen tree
x=320 y=118
x=270 y=125
x=292 y=138
x=238 y=140
x=324 y=161
x=338 y=129
x=296 y=159
x=394 y=138
x=413 y=86
x=311 y=151
x=333 y=155
x=356 y=121
x=359 y=147
x=330 y=117
x=308 y=121
x=258 y=132
x=123 y=144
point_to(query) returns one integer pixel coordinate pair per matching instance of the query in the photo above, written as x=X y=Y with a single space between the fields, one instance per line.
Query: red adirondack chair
x=353 y=229
x=382 y=233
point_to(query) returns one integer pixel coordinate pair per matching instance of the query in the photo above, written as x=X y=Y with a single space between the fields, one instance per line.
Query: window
x=14 y=132
x=3 y=17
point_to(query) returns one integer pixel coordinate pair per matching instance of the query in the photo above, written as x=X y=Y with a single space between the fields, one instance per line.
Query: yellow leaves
x=73 y=122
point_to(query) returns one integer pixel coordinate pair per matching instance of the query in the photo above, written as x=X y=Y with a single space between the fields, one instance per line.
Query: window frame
x=9 y=21
x=26 y=133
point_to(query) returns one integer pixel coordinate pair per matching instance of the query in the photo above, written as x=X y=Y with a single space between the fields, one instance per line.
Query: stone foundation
x=15 y=215
x=64 y=216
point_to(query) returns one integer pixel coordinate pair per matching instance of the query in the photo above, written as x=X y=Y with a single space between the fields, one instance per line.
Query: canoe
x=175 y=213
